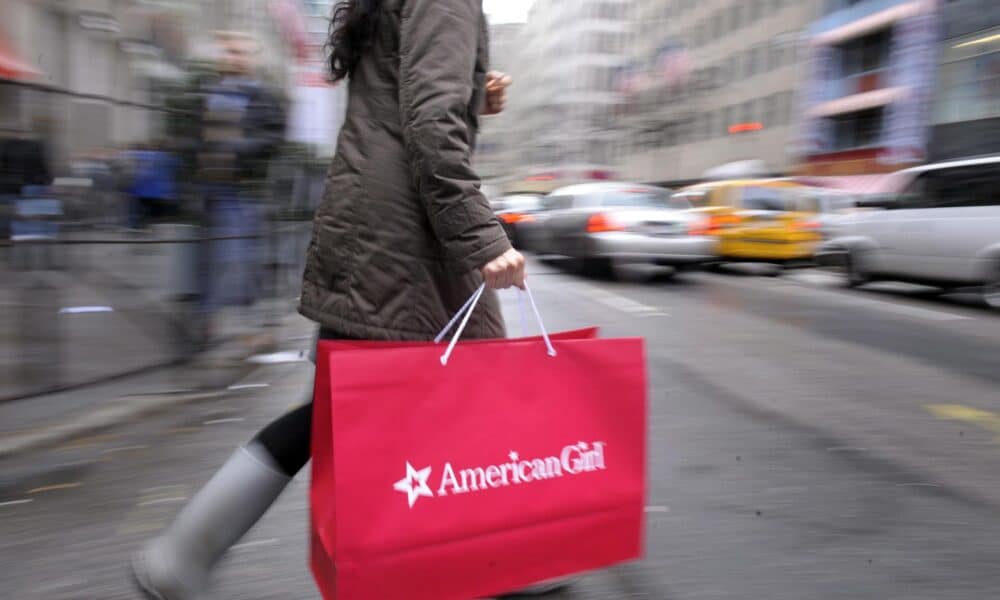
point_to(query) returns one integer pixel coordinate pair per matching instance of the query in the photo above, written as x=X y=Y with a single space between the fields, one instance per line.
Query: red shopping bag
x=502 y=468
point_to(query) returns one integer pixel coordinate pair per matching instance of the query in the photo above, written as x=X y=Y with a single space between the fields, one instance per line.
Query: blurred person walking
x=152 y=186
x=242 y=124
x=23 y=163
x=402 y=238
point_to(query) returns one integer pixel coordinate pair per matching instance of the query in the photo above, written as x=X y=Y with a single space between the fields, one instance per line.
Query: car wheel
x=601 y=268
x=991 y=291
x=774 y=271
x=853 y=274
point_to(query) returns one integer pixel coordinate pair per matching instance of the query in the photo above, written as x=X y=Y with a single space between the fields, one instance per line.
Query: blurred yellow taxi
x=763 y=220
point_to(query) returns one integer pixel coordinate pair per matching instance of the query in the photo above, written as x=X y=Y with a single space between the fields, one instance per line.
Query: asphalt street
x=805 y=442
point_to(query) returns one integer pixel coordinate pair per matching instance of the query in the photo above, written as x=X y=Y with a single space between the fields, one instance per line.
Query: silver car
x=599 y=226
x=944 y=230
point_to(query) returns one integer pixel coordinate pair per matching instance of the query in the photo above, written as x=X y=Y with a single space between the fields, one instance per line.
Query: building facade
x=711 y=82
x=495 y=143
x=869 y=88
x=102 y=65
x=966 y=116
x=563 y=103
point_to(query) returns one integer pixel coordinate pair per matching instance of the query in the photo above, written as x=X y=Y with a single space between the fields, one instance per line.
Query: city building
x=94 y=72
x=709 y=83
x=868 y=93
x=966 y=117
x=563 y=103
x=318 y=107
x=494 y=144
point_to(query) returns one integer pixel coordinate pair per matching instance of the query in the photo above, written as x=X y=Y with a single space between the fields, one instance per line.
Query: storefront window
x=969 y=81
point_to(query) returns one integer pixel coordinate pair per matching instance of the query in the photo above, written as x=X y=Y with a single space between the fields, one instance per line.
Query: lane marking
x=657 y=509
x=52 y=488
x=16 y=502
x=157 y=488
x=247 y=386
x=183 y=430
x=168 y=500
x=220 y=421
x=902 y=309
x=80 y=310
x=616 y=301
x=967 y=414
x=274 y=358
x=269 y=542
x=125 y=449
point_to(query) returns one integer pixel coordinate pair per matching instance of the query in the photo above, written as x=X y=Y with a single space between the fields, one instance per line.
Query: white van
x=943 y=230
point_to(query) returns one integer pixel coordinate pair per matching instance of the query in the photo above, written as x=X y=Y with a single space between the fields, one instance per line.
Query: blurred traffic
x=796 y=203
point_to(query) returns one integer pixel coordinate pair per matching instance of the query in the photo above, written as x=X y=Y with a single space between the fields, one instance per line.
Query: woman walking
x=402 y=238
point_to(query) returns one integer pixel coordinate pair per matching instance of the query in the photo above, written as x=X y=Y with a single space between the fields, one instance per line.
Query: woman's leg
x=287 y=439
x=177 y=565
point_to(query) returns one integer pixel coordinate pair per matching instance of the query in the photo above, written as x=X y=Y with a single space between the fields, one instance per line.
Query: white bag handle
x=470 y=306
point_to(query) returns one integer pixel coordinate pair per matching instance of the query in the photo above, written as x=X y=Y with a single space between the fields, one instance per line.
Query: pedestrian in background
x=402 y=238
x=23 y=163
x=241 y=126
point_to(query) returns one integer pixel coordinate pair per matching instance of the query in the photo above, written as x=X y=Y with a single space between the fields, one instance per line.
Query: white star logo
x=514 y=456
x=414 y=485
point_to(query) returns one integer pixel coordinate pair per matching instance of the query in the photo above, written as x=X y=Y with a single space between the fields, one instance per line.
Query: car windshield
x=765 y=199
x=635 y=198
x=691 y=198
x=517 y=203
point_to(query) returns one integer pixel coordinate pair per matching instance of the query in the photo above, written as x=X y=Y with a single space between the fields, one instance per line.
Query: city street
x=806 y=441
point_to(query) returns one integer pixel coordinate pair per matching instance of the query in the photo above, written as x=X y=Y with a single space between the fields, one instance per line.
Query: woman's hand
x=496 y=92
x=505 y=270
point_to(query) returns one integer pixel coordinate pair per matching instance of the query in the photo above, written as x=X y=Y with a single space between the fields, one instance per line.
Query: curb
x=119 y=412
x=129 y=408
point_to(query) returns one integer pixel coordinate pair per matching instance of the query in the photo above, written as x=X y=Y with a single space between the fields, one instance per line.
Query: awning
x=857 y=102
x=886 y=183
x=873 y=23
x=11 y=66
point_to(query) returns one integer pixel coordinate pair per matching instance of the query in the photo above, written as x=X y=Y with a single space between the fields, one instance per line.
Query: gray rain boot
x=177 y=565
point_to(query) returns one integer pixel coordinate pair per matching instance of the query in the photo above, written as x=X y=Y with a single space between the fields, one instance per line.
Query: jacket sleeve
x=438 y=44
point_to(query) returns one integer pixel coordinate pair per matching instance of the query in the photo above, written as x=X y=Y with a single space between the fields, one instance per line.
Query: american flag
x=673 y=63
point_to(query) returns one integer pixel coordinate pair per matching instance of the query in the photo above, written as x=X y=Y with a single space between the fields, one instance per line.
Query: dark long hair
x=352 y=30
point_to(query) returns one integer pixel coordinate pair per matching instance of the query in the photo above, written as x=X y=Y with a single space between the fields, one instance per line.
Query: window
x=771 y=110
x=857 y=130
x=557 y=202
x=711 y=124
x=748 y=112
x=736 y=15
x=695 y=198
x=755 y=10
x=787 y=106
x=968 y=89
x=718 y=25
x=776 y=53
x=609 y=10
x=974 y=185
x=722 y=76
x=731 y=116
x=640 y=196
x=605 y=43
x=763 y=198
x=864 y=54
x=752 y=61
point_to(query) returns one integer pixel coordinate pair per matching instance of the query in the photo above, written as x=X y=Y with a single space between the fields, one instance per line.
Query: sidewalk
x=110 y=310
x=45 y=420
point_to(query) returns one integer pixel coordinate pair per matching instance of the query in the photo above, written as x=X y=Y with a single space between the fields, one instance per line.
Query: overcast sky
x=507 y=11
